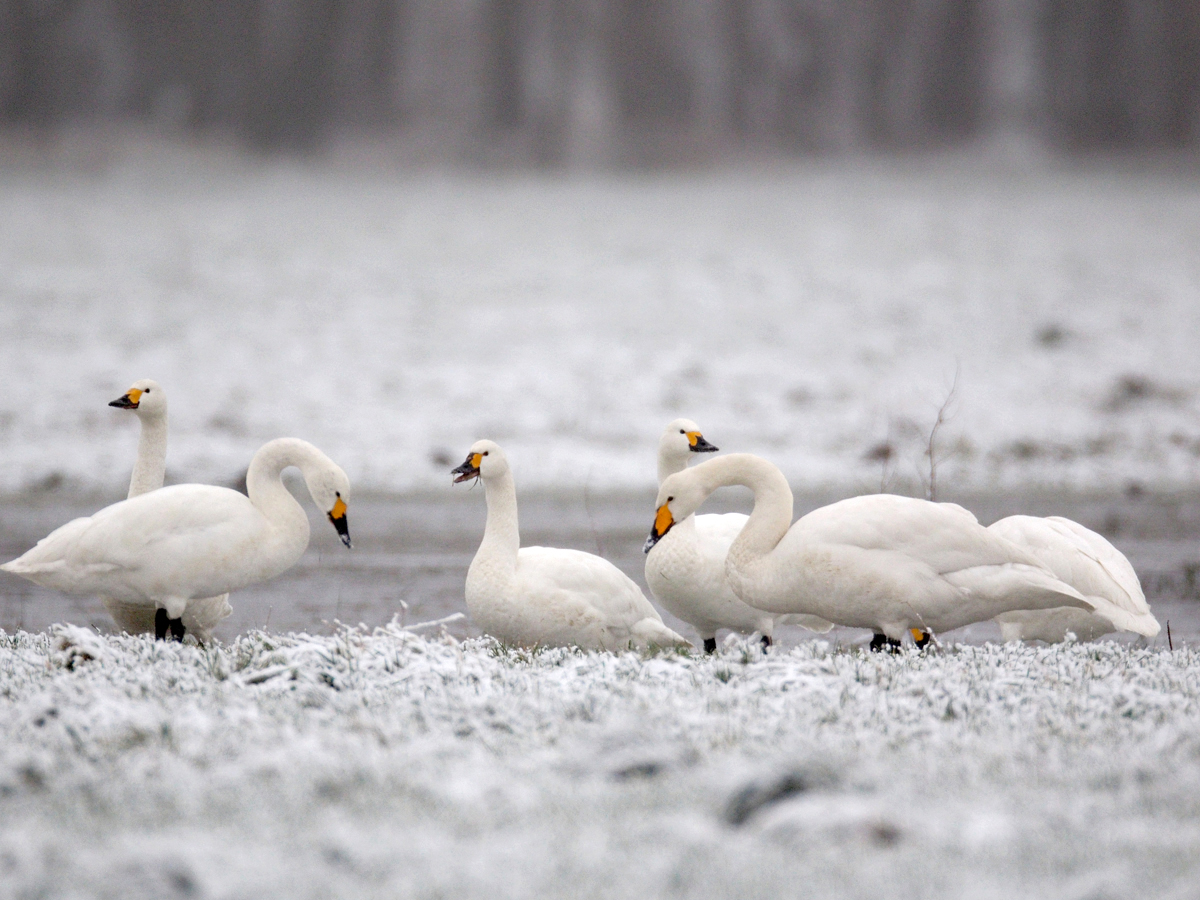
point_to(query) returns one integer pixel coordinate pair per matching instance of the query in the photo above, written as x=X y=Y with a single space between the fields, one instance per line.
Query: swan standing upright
x=545 y=596
x=1091 y=565
x=148 y=401
x=891 y=564
x=686 y=569
x=169 y=547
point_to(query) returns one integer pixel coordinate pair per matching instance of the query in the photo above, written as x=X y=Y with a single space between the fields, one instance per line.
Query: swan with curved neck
x=1091 y=565
x=546 y=596
x=891 y=564
x=165 y=549
x=148 y=401
x=686 y=569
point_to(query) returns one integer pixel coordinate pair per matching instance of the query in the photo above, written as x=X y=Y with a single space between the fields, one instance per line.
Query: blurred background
x=584 y=83
x=882 y=244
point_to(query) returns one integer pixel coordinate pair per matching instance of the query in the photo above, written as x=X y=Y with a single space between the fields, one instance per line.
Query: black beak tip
x=123 y=403
x=342 y=527
x=650 y=542
x=703 y=446
x=464 y=472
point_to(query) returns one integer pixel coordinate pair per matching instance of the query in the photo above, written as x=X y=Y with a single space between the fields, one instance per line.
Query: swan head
x=679 y=496
x=682 y=437
x=485 y=460
x=330 y=490
x=145 y=397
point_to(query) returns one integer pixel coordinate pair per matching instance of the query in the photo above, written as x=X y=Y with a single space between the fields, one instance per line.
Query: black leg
x=177 y=629
x=160 y=624
x=710 y=645
x=766 y=641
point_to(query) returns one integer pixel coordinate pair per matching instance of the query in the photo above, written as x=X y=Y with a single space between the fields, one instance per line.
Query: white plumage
x=686 y=568
x=148 y=401
x=882 y=562
x=169 y=547
x=1090 y=564
x=543 y=596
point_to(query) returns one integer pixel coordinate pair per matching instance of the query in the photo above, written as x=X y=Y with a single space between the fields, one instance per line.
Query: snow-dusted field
x=808 y=313
x=391 y=764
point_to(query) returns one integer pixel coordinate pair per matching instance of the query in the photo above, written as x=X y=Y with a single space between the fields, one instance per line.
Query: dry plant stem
x=942 y=418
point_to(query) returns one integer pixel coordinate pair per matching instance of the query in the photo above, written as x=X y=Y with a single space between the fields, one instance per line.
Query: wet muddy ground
x=411 y=554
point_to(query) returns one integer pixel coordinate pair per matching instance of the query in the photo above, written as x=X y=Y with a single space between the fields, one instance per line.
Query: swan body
x=165 y=549
x=544 y=596
x=891 y=564
x=686 y=568
x=1090 y=564
x=148 y=401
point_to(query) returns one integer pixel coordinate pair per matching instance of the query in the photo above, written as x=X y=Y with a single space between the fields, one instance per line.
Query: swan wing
x=943 y=536
x=174 y=541
x=612 y=593
x=1088 y=562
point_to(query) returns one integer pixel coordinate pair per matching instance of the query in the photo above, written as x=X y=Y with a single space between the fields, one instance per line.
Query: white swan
x=1091 y=565
x=544 y=596
x=891 y=564
x=148 y=401
x=686 y=569
x=167 y=548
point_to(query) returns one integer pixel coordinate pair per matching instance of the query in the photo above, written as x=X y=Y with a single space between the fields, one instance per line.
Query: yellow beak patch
x=134 y=395
x=476 y=459
x=663 y=520
x=339 y=509
x=692 y=437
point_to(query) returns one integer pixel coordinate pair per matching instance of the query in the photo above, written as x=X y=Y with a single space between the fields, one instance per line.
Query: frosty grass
x=393 y=764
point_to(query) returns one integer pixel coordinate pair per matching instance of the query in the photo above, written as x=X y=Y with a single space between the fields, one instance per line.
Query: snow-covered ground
x=808 y=313
x=391 y=764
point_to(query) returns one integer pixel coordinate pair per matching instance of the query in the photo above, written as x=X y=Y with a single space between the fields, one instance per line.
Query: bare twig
x=943 y=417
x=1170 y=643
x=587 y=507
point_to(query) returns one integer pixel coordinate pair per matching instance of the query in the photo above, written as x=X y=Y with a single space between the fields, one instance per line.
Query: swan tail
x=653 y=633
x=812 y=623
x=1017 y=586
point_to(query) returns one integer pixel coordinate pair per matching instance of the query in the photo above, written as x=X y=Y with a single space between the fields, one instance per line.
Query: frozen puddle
x=386 y=763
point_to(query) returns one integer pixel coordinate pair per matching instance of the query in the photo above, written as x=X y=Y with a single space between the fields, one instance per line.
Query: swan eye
x=682 y=431
x=485 y=452
x=669 y=499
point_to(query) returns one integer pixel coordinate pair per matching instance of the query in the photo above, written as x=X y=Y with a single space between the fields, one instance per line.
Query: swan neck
x=264 y=483
x=501 y=535
x=150 y=468
x=669 y=463
x=772 y=514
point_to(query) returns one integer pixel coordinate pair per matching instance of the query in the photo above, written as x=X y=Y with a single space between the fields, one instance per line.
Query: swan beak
x=469 y=469
x=698 y=444
x=337 y=516
x=129 y=400
x=663 y=521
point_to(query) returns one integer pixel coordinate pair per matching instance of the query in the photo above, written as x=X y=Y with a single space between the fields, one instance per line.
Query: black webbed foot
x=177 y=629
x=766 y=641
x=160 y=624
x=710 y=645
x=883 y=642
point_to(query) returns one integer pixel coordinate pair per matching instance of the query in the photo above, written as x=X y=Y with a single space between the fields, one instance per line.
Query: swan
x=891 y=564
x=167 y=548
x=686 y=569
x=148 y=401
x=1090 y=564
x=545 y=596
